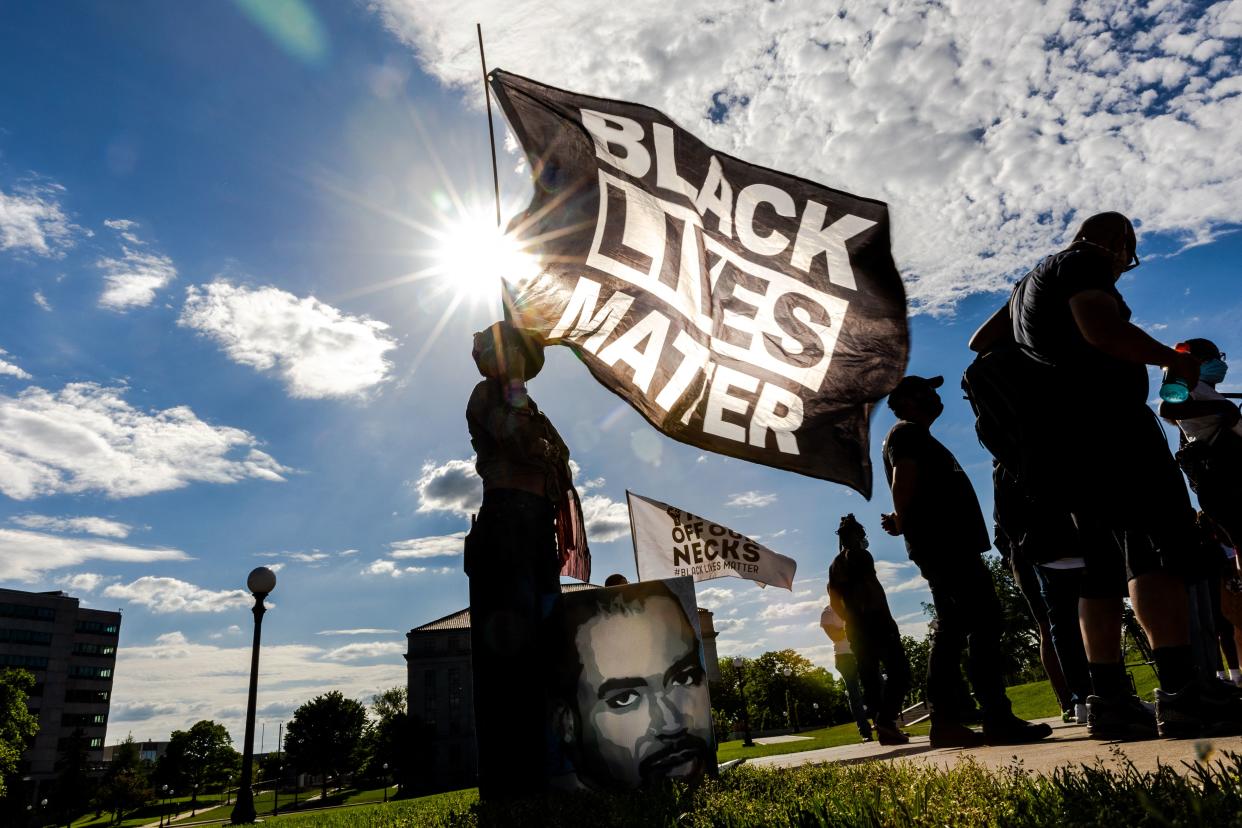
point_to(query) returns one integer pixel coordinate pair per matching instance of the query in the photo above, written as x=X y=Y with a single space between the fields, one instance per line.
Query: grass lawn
x=423 y=810
x=150 y=812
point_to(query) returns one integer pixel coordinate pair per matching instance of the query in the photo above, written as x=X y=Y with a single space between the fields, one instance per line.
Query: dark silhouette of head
x=616 y=579
x=852 y=534
x=1200 y=349
x=502 y=352
x=1114 y=233
x=915 y=399
x=631 y=703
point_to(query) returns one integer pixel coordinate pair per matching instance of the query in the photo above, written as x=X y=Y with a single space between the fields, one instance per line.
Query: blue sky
x=212 y=358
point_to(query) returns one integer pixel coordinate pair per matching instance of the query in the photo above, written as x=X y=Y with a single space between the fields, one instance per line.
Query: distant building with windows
x=441 y=700
x=71 y=651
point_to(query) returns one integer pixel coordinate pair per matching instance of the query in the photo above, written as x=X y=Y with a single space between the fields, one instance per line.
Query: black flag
x=739 y=309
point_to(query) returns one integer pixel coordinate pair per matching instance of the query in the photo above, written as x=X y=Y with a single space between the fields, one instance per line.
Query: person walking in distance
x=936 y=510
x=833 y=626
x=1110 y=465
x=857 y=596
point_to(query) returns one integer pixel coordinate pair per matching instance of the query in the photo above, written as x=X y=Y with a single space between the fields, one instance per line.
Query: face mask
x=1213 y=371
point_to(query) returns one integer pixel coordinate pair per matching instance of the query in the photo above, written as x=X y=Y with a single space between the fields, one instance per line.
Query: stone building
x=441 y=696
x=71 y=651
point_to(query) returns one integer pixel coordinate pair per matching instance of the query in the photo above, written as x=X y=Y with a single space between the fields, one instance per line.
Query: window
x=454 y=689
x=430 y=700
x=25 y=637
x=89 y=671
x=93 y=743
x=85 y=648
x=8 y=610
x=97 y=627
x=84 y=719
x=29 y=662
x=96 y=742
x=84 y=694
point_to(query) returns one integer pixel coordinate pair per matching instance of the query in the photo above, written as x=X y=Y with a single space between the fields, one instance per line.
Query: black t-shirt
x=1044 y=325
x=944 y=524
x=852 y=576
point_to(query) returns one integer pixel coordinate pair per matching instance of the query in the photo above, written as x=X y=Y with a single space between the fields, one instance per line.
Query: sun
x=472 y=255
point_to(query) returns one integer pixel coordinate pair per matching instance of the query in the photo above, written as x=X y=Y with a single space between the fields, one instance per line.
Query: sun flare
x=472 y=255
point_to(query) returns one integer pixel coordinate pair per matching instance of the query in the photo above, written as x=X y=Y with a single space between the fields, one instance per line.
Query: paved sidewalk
x=1067 y=746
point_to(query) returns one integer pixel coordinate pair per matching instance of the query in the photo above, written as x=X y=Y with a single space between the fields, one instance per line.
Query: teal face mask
x=1213 y=371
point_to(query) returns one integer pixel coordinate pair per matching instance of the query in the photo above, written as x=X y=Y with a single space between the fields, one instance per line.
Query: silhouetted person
x=616 y=579
x=855 y=593
x=512 y=560
x=1107 y=454
x=833 y=625
x=936 y=509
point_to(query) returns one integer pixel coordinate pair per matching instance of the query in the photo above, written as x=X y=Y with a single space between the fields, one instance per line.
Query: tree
x=324 y=736
x=389 y=737
x=126 y=784
x=197 y=759
x=1019 y=634
x=72 y=791
x=17 y=726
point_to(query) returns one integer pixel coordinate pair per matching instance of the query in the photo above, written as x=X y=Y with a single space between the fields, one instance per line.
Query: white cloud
x=25 y=555
x=315 y=558
x=102 y=527
x=132 y=280
x=162 y=595
x=605 y=519
x=86 y=437
x=896 y=577
x=84 y=581
x=41 y=300
x=31 y=219
x=750 y=500
x=452 y=487
x=392 y=569
x=317 y=350
x=430 y=547
x=9 y=368
x=712 y=597
x=990 y=136
x=173 y=682
x=789 y=610
x=357 y=631
x=365 y=650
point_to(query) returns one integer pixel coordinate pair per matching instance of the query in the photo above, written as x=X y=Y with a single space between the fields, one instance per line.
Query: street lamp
x=260 y=582
x=741 y=688
x=385 y=782
x=815 y=707
x=789 y=720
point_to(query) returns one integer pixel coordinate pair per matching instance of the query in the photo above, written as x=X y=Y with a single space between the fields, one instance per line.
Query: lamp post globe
x=261 y=581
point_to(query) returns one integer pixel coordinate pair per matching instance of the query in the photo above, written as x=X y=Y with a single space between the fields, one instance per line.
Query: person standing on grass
x=1100 y=451
x=936 y=510
x=856 y=594
x=843 y=657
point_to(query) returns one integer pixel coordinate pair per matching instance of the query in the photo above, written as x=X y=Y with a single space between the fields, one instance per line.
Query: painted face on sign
x=642 y=700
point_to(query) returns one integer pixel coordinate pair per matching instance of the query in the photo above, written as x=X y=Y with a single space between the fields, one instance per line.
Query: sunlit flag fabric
x=739 y=309
x=671 y=543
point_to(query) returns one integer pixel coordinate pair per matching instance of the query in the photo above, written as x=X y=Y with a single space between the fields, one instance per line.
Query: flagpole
x=491 y=137
x=633 y=535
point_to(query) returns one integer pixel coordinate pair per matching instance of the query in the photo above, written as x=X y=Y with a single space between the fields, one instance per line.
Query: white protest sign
x=671 y=542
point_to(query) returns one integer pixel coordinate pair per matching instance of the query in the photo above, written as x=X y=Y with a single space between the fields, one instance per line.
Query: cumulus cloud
x=357 y=631
x=394 y=570
x=87 y=438
x=25 y=555
x=750 y=500
x=316 y=350
x=365 y=650
x=315 y=558
x=451 y=487
x=161 y=595
x=84 y=581
x=10 y=369
x=102 y=527
x=990 y=137
x=790 y=609
x=605 y=519
x=438 y=546
x=132 y=279
x=31 y=219
x=171 y=683
x=712 y=597
x=899 y=577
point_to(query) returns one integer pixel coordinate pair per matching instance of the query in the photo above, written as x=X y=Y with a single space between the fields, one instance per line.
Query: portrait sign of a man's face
x=632 y=704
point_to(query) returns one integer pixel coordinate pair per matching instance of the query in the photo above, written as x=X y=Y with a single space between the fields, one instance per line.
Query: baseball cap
x=912 y=384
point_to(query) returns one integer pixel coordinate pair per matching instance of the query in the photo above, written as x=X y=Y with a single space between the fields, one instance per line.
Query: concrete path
x=780 y=740
x=1068 y=746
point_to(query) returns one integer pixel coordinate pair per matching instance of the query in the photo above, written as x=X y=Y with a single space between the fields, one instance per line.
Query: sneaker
x=1010 y=730
x=889 y=734
x=1200 y=709
x=1121 y=719
x=1080 y=713
x=954 y=735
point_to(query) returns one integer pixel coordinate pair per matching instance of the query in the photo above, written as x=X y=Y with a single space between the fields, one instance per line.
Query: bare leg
x=1160 y=603
x=1100 y=619
x=1052 y=666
